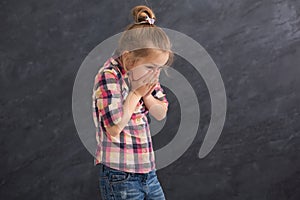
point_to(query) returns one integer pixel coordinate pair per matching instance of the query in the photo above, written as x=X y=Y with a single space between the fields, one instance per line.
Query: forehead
x=156 y=59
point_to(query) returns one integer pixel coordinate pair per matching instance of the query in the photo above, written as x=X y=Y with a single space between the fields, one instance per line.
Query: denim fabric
x=115 y=185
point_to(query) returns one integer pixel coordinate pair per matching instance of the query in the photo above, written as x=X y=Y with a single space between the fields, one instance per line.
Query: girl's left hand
x=152 y=86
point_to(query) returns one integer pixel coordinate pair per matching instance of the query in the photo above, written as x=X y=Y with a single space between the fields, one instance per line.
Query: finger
x=151 y=78
x=156 y=75
x=148 y=74
x=146 y=82
x=148 y=86
x=151 y=89
x=155 y=80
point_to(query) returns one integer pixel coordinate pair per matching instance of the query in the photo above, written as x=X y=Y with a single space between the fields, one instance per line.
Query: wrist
x=136 y=94
x=146 y=96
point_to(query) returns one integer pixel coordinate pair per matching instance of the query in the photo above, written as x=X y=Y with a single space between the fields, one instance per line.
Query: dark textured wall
x=255 y=45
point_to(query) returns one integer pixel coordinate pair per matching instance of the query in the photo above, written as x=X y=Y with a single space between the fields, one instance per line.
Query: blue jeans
x=115 y=185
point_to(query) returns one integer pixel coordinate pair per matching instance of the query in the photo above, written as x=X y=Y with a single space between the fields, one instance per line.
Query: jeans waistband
x=143 y=175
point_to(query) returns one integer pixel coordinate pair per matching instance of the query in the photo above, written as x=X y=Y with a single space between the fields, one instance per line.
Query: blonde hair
x=141 y=38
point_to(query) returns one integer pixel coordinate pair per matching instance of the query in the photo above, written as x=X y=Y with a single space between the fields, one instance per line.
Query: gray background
x=255 y=45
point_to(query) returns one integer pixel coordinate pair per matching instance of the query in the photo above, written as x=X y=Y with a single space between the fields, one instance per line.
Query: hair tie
x=148 y=20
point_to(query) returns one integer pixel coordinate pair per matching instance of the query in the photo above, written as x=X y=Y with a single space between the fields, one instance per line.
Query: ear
x=128 y=58
x=125 y=53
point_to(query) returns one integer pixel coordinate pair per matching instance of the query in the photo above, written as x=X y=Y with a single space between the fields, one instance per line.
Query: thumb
x=129 y=74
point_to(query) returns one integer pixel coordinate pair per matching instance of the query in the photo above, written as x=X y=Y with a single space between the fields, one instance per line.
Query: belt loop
x=145 y=177
x=102 y=167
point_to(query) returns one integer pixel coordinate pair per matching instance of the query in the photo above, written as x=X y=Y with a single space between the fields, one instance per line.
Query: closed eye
x=151 y=67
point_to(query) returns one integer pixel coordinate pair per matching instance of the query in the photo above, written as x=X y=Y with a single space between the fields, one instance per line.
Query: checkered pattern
x=132 y=149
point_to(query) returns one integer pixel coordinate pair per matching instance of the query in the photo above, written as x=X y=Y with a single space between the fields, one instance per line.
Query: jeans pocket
x=116 y=176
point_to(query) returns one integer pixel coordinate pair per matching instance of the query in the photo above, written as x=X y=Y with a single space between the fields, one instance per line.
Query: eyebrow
x=154 y=64
x=157 y=65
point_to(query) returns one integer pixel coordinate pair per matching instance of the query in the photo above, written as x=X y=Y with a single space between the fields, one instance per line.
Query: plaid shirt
x=132 y=149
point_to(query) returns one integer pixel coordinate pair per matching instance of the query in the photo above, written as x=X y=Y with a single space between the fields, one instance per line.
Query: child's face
x=154 y=61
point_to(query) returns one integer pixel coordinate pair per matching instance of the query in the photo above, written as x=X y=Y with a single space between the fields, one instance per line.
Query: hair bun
x=140 y=13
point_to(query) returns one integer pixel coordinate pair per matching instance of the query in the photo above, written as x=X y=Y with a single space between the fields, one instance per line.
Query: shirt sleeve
x=159 y=94
x=107 y=94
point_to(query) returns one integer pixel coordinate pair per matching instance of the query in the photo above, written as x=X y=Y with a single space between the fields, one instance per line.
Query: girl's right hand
x=145 y=90
x=142 y=85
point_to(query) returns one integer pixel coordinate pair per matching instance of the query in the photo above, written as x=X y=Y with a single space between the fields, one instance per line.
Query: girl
x=125 y=152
